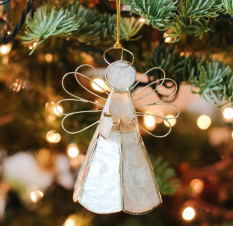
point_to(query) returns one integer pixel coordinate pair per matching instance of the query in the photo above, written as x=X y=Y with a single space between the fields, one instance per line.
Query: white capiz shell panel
x=139 y=185
x=102 y=188
x=120 y=76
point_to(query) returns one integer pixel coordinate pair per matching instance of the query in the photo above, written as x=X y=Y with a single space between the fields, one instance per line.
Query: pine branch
x=165 y=177
x=157 y=13
x=228 y=4
x=191 y=16
x=214 y=79
x=84 y=24
x=199 y=8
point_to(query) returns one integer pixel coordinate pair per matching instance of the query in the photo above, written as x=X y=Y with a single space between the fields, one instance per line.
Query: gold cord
x=118 y=45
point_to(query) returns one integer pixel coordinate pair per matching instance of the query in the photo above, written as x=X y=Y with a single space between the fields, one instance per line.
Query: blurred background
x=39 y=161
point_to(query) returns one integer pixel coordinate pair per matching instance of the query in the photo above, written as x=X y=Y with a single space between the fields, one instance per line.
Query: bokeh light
x=197 y=185
x=204 y=122
x=228 y=113
x=36 y=196
x=72 y=150
x=69 y=222
x=48 y=57
x=149 y=121
x=100 y=83
x=4 y=49
x=58 y=110
x=142 y=20
x=53 y=137
x=188 y=213
x=172 y=121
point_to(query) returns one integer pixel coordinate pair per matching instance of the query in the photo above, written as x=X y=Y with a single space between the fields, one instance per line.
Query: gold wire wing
x=158 y=103
x=79 y=99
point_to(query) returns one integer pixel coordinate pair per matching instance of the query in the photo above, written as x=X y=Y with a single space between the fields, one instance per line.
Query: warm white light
x=197 y=185
x=100 y=83
x=142 y=20
x=4 y=49
x=172 y=120
x=204 y=122
x=69 y=222
x=232 y=134
x=72 y=150
x=58 y=110
x=5 y=59
x=168 y=40
x=149 y=121
x=36 y=196
x=53 y=137
x=48 y=57
x=228 y=113
x=188 y=213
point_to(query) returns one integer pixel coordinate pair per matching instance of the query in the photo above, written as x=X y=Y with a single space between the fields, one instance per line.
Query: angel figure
x=117 y=174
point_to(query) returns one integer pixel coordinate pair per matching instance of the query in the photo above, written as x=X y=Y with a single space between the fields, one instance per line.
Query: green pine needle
x=86 y=25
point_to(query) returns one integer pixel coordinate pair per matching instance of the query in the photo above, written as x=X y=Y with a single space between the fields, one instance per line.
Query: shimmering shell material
x=117 y=174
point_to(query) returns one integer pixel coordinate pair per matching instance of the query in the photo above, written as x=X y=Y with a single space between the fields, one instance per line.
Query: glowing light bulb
x=72 y=150
x=149 y=121
x=228 y=113
x=188 y=213
x=3 y=49
x=142 y=20
x=100 y=83
x=58 y=110
x=69 y=222
x=48 y=57
x=36 y=196
x=168 y=40
x=204 y=122
x=232 y=134
x=53 y=137
x=172 y=121
x=197 y=185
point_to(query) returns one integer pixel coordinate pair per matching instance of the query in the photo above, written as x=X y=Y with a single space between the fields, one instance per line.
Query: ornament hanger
x=117 y=44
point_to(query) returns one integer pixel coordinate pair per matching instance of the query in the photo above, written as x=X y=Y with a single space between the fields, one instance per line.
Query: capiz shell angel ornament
x=117 y=174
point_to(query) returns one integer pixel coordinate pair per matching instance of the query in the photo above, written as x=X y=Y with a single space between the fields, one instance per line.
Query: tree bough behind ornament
x=117 y=174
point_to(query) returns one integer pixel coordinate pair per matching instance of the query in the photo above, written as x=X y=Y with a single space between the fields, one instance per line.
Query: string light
x=142 y=20
x=168 y=40
x=197 y=185
x=48 y=57
x=36 y=196
x=149 y=121
x=188 y=213
x=72 y=150
x=58 y=110
x=4 y=49
x=204 y=122
x=100 y=83
x=5 y=59
x=172 y=121
x=69 y=222
x=53 y=137
x=228 y=113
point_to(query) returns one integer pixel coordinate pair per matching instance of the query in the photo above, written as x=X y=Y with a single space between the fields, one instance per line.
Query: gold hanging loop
x=118 y=45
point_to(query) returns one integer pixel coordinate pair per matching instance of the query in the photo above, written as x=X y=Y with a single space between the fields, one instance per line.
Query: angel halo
x=117 y=174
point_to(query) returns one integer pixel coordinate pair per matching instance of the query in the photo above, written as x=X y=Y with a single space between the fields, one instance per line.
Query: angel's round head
x=120 y=75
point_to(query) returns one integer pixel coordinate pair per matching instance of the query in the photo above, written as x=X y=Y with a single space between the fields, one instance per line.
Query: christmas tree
x=39 y=162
